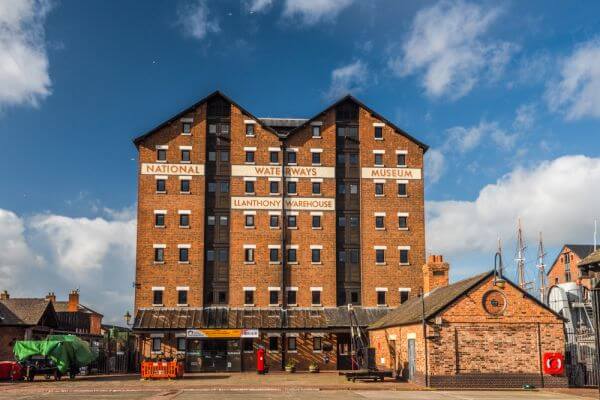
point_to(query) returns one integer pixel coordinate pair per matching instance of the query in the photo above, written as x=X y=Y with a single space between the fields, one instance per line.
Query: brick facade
x=564 y=269
x=468 y=347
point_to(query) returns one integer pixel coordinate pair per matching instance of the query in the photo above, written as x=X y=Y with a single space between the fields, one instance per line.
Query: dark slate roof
x=63 y=306
x=412 y=310
x=593 y=258
x=283 y=122
x=237 y=318
x=23 y=311
x=582 y=251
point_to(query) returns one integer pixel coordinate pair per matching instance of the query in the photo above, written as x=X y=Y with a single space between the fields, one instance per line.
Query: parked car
x=11 y=370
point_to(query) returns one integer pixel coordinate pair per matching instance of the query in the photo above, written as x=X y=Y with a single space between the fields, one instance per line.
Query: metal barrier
x=162 y=369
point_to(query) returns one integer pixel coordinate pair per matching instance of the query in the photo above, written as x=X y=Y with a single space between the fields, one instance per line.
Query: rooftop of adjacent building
x=581 y=250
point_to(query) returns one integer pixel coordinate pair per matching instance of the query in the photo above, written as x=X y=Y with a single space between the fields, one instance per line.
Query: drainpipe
x=424 y=337
x=283 y=222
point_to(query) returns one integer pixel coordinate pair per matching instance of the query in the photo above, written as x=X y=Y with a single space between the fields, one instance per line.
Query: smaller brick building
x=477 y=333
x=564 y=268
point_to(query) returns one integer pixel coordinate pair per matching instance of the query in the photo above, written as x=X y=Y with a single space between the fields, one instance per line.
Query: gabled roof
x=27 y=312
x=63 y=306
x=592 y=258
x=582 y=251
x=179 y=115
x=373 y=113
x=411 y=311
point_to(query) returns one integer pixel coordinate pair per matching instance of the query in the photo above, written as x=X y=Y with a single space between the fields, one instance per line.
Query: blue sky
x=507 y=96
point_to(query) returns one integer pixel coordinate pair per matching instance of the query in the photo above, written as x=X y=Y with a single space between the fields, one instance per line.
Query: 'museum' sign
x=172 y=169
x=275 y=171
x=274 y=203
x=391 y=173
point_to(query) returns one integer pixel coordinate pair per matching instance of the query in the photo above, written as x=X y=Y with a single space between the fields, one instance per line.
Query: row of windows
x=292 y=187
x=247 y=344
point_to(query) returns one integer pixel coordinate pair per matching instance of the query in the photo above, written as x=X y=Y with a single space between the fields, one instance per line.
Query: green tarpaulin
x=65 y=350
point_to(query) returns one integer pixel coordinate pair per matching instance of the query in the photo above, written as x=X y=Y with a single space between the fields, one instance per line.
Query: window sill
x=382 y=305
x=160 y=226
x=316 y=263
x=249 y=227
x=185 y=192
x=401 y=166
x=380 y=229
x=274 y=227
x=185 y=162
x=402 y=229
x=291 y=164
x=316 y=305
x=383 y=263
x=157 y=305
x=273 y=305
x=273 y=163
x=317 y=351
x=317 y=194
x=249 y=305
x=316 y=165
x=292 y=227
x=378 y=166
x=293 y=305
x=380 y=195
x=274 y=262
x=159 y=262
x=249 y=163
x=184 y=227
x=159 y=192
x=403 y=264
x=379 y=139
x=182 y=305
x=402 y=195
x=292 y=194
x=250 y=194
x=292 y=351
x=317 y=228
x=161 y=161
x=292 y=263
x=250 y=135
x=317 y=137
x=249 y=263
x=274 y=194
x=183 y=262
x=273 y=351
x=156 y=352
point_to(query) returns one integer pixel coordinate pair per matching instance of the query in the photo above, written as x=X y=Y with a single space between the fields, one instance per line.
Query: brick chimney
x=4 y=295
x=73 y=305
x=51 y=297
x=435 y=273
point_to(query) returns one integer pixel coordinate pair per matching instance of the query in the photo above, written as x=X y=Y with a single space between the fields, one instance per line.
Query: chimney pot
x=4 y=295
x=51 y=297
x=435 y=273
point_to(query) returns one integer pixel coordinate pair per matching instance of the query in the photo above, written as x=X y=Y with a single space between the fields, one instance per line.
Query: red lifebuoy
x=553 y=363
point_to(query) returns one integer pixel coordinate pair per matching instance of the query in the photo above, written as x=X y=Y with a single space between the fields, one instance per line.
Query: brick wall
x=557 y=270
x=8 y=335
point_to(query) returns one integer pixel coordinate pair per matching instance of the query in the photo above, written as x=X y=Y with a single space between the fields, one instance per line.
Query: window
x=353 y=222
x=381 y=298
x=249 y=157
x=273 y=343
x=224 y=187
x=274 y=255
x=341 y=222
x=291 y=157
x=161 y=155
x=212 y=187
x=249 y=187
x=180 y=344
x=292 y=187
x=185 y=155
x=224 y=156
x=380 y=256
x=221 y=297
x=404 y=256
x=210 y=220
x=341 y=158
x=292 y=221
x=315 y=257
x=249 y=221
x=316 y=297
x=316 y=158
x=186 y=127
x=223 y=220
x=274 y=221
x=378 y=159
x=404 y=295
x=342 y=257
x=184 y=185
x=159 y=255
x=316 y=131
x=379 y=189
x=403 y=222
x=316 y=188
x=249 y=255
x=159 y=220
x=342 y=188
x=248 y=297
x=249 y=129
x=161 y=185
x=210 y=255
x=184 y=220
x=273 y=187
x=402 y=189
x=317 y=343
x=184 y=255
x=247 y=345
x=378 y=132
x=212 y=156
x=182 y=296
x=223 y=255
x=291 y=297
x=157 y=297
x=353 y=188
x=291 y=343
x=156 y=344
x=354 y=297
x=316 y=221
x=273 y=297
x=401 y=160
x=274 y=157
x=292 y=255
x=353 y=159
x=379 y=222
x=354 y=256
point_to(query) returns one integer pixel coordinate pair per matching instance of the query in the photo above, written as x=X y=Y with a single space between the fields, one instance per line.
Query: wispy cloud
x=350 y=78
x=435 y=165
x=576 y=93
x=258 y=6
x=196 y=20
x=446 y=46
x=310 y=12
x=24 y=76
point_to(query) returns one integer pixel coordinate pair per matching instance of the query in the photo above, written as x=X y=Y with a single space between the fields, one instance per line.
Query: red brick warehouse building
x=259 y=231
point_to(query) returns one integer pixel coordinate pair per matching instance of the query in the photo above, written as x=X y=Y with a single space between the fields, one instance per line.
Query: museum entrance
x=213 y=355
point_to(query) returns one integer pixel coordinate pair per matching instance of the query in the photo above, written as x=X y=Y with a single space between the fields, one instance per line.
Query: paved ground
x=248 y=386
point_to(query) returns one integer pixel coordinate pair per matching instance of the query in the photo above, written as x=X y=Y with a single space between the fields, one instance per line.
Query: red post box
x=260 y=361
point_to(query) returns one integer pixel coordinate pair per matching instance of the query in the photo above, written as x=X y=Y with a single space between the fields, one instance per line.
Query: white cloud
x=196 y=20
x=557 y=197
x=24 y=77
x=258 y=5
x=63 y=253
x=350 y=78
x=435 y=164
x=525 y=117
x=446 y=45
x=577 y=91
x=311 y=12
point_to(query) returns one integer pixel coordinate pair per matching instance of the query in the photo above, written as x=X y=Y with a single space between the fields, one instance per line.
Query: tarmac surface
x=248 y=386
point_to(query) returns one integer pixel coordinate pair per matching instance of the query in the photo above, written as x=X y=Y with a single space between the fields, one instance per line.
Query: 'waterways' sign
x=275 y=171
x=391 y=173
x=274 y=203
x=172 y=169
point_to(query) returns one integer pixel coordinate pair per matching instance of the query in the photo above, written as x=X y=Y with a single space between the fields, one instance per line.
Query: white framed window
x=378 y=158
x=404 y=255
x=157 y=295
x=316 y=129
x=381 y=296
x=315 y=295
x=186 y=126
x=249 y=296
x=249 y=250
x=161 y=153
x=403 y=221
x=274 y=296
x=379 y=187
x=292 y=298
x=380 y=255
x=250 y=129
x=160 y=218
x=402 y=188
x=401 y=158
x=404 y=294
x=378 y=130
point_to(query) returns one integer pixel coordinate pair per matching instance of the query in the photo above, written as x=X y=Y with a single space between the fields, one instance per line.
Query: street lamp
x=498 y=279
x=127 y=318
